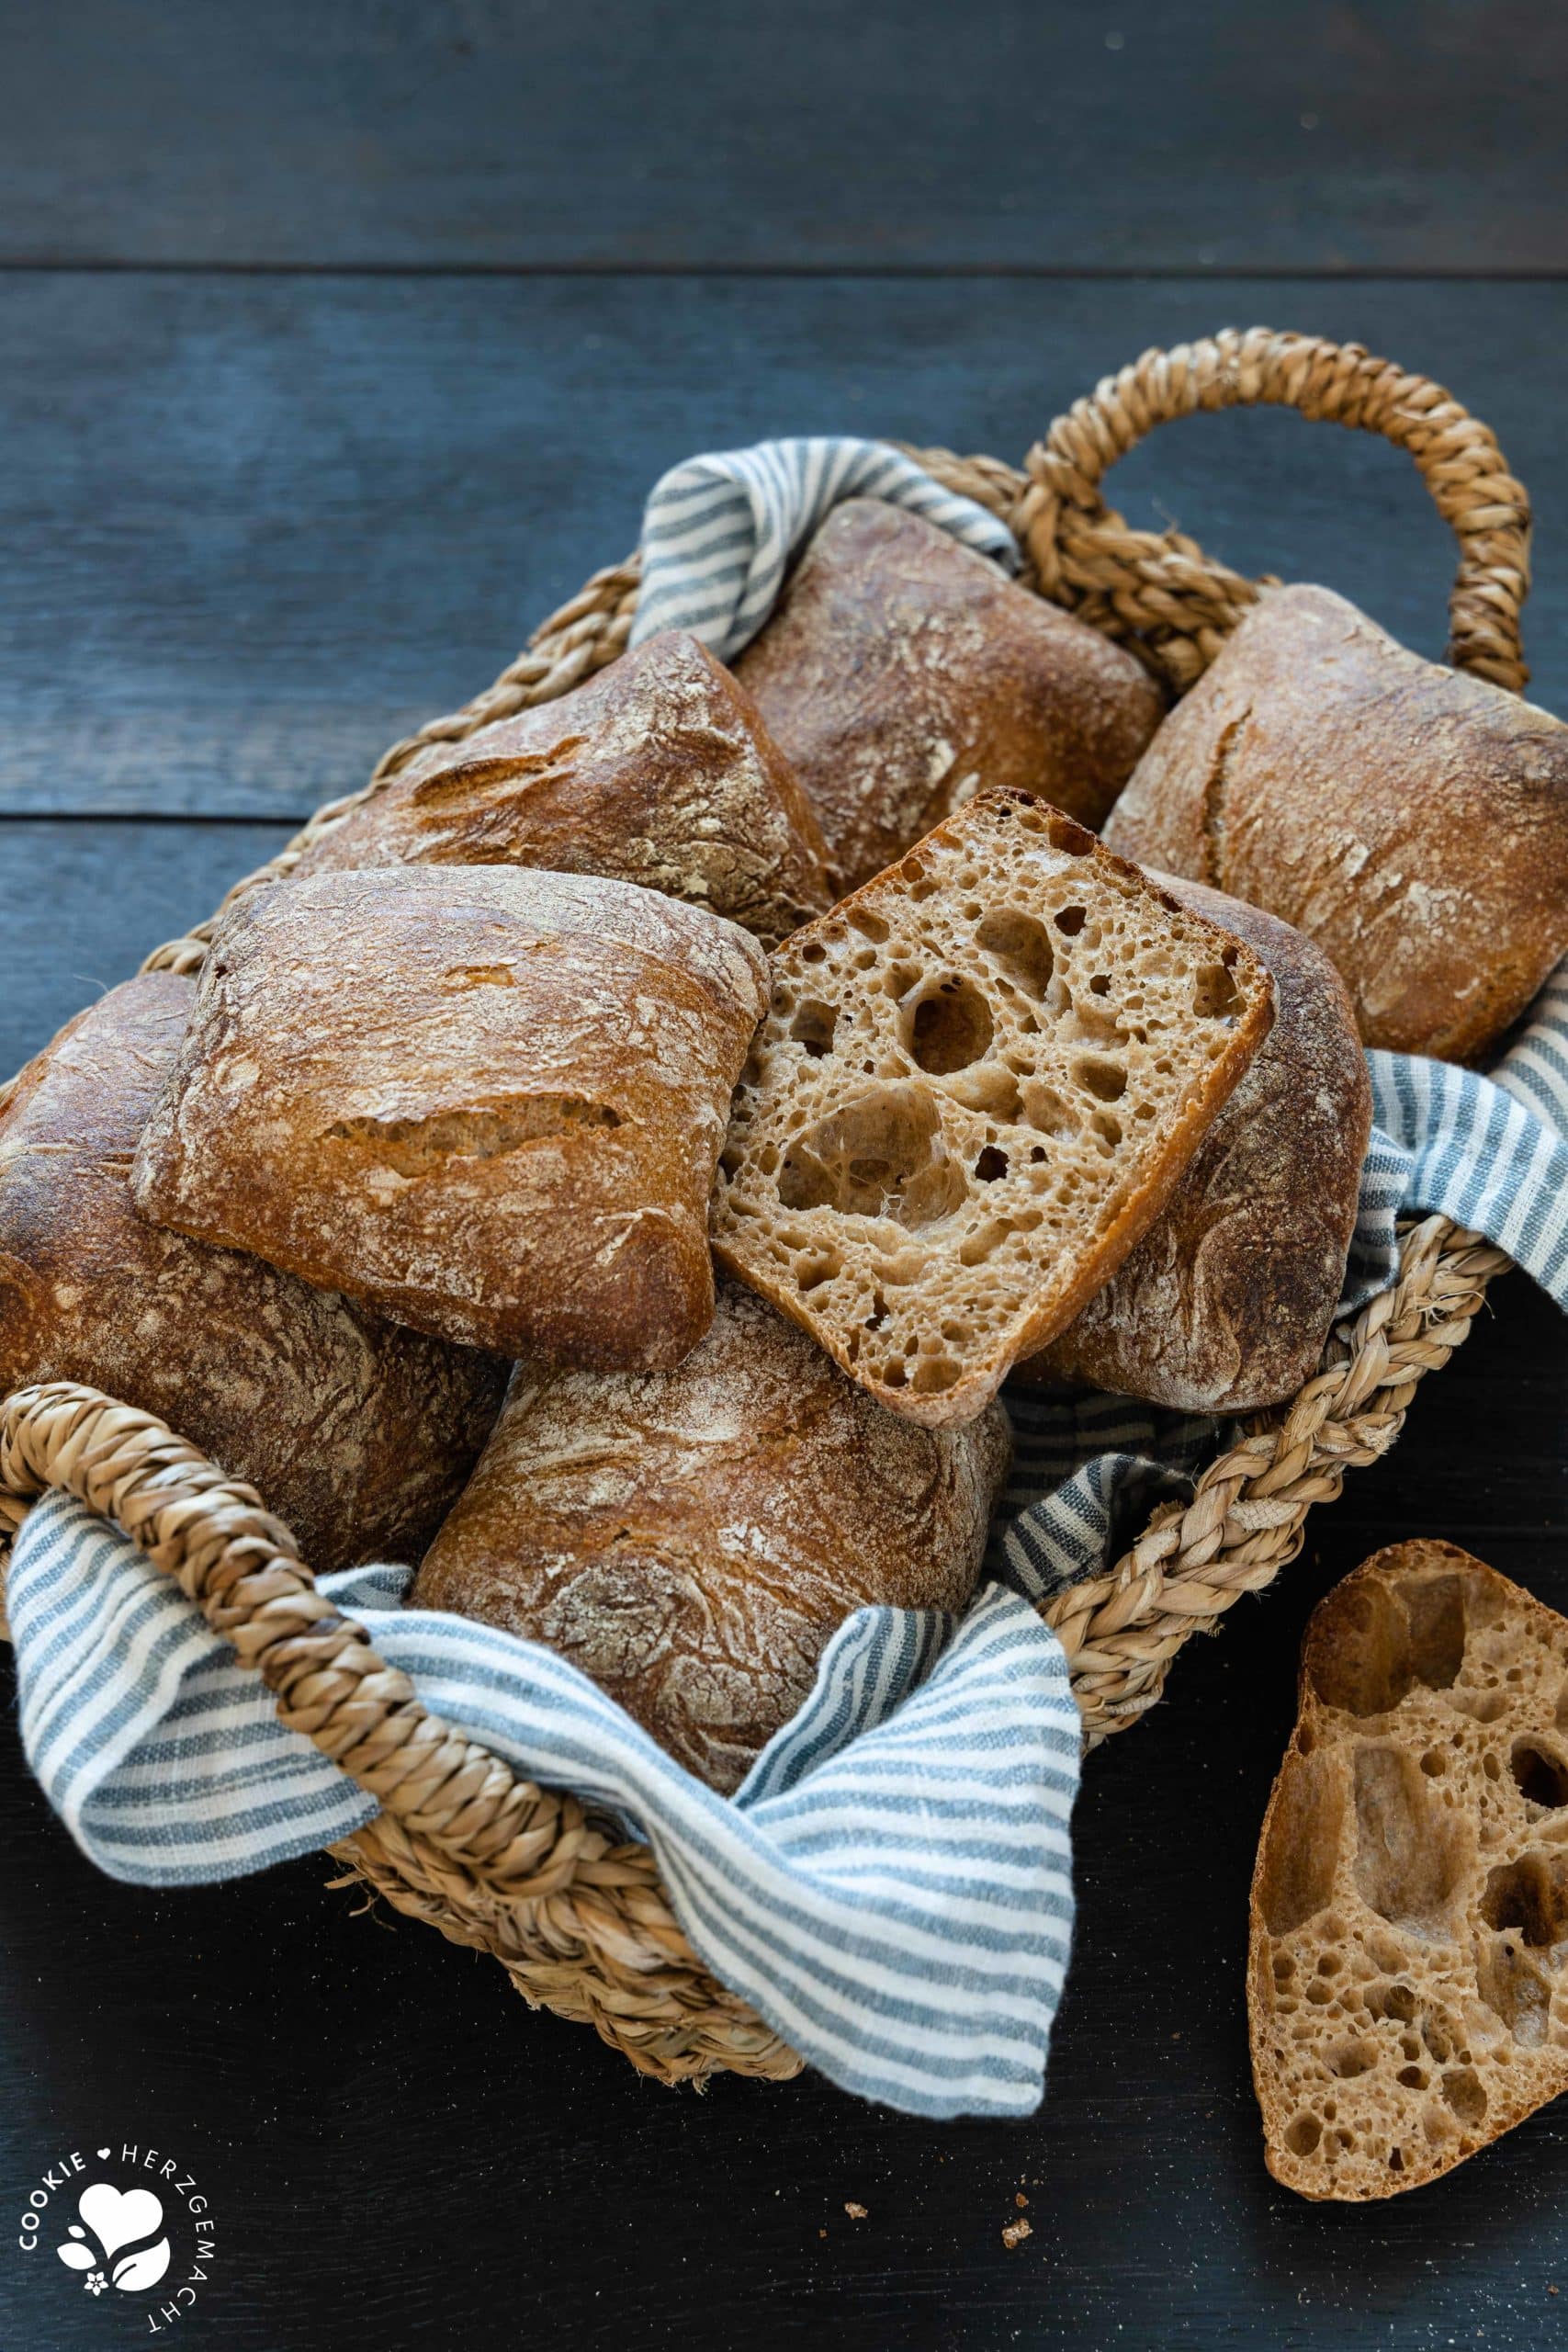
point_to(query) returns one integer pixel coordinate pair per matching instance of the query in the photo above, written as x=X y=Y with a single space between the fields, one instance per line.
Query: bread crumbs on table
x=1021 y=2201
x=855 y=2212
x=1014 y=2234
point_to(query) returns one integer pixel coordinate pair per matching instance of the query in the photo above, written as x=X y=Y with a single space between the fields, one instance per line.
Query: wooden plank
x=508 y=2178
x=265 y=525
x=1153 y=134
x=86 y=902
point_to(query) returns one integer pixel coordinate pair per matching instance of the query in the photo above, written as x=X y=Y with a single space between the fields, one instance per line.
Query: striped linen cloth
x=891 y=1887
x=1490 y=1152
x=720 y=533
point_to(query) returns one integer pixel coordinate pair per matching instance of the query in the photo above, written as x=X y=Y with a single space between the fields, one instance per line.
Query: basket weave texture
x=578 y=1916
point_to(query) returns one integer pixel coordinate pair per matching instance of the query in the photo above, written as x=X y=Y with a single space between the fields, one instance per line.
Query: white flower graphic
x=95 y=2282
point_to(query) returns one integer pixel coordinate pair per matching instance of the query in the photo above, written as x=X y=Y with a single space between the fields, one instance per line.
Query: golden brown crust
x=902 y=673
x=978 y=1082
x=486 y=1100
x=1412 y=820
x=1225 y=1303
x=1407 y=1999
x=658 y=771
x=692 y=1539
x=356 y=1433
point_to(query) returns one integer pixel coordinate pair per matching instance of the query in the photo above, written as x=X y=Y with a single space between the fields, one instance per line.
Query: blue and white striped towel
x=720 y=532
x=891 y=1887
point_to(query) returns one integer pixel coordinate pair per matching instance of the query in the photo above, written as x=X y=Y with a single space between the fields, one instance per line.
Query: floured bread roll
x=1225 y=1304
x=658 y=771
x=901 y=674
x=1408 y=1986
x=691 y=1539
x=979 y=1081
x=485 y=1100
x=357 y=1433
x=1410 y=819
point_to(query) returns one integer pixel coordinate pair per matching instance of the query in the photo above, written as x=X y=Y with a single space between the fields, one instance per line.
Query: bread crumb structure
x=979 y=1080
x=486 y=1100
x=692 y=1539
x=658 y=771
x=1407 y=1990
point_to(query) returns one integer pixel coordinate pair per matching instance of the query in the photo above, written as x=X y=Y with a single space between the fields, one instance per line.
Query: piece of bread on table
x=692 y=1539
x=902 y=673
x=657 y=771
x=485 y=1100
x=1225 y=1304
x=979 y=1081
x=1412 y=820
x=355 y=1433
x=1408 y=1978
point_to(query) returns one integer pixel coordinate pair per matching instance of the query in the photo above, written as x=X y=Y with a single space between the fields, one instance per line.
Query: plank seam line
x=1507 y=274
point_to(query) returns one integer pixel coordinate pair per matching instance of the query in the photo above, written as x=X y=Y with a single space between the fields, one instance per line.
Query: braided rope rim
x=579 y=1921
x=1158 y=592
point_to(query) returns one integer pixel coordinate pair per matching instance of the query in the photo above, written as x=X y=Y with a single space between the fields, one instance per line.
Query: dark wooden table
x=339 y=343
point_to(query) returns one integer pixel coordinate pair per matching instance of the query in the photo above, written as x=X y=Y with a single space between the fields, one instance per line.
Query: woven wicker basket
x=579 y=1920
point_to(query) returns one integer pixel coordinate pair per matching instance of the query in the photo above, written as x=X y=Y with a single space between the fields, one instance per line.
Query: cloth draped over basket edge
x=720 y=532
x=890 y=1888
x=175 y=1799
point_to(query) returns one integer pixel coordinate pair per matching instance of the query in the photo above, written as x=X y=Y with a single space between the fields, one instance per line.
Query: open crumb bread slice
x=978 y=1083
x=1408 y=1992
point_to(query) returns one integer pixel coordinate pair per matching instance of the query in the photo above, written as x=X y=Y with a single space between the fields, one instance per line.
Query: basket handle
x=1159 y=592
x=243 y=1569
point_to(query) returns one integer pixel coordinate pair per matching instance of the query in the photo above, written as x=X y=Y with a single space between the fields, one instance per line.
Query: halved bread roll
x=977 y=1083
x=1408 y=1979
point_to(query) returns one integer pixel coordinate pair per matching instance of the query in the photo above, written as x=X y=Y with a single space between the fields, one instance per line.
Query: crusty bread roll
x=485 y=1100
x=978 y=1082
x=657 y=771
x=1412 y=820
x=1225 y=1304
x=901 y=673
x=356 y=1433
x=692 y=1539
x=1406 y=1989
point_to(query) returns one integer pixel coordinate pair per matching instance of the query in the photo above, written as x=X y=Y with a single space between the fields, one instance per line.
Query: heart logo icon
x=103 y=2156
x=118 y=2218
